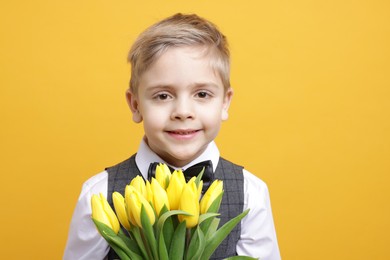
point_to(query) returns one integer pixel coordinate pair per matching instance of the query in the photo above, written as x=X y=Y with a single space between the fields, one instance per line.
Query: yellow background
x=310 y=115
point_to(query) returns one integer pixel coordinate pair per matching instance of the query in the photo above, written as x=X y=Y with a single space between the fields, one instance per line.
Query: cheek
x=154 y=119
x=212 y=118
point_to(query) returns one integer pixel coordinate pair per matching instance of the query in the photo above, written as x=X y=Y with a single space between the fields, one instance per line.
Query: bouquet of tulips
x=165 y=218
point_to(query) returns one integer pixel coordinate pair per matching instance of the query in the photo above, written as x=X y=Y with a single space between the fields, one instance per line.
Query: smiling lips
x=183 y=134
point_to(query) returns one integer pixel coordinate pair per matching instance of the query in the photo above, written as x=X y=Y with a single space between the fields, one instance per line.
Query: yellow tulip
x=189 y=202
x=175 y=189
x=149 y=192
x=163 y=175
x=200 y=187
x=102 y=212
x=139 y=184
x=120 y=209
x=211 y=194
x=128 y=190
x=160 y=197
x=134 y=201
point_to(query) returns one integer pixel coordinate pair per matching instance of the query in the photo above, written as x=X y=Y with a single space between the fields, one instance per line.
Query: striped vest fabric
x=232 y=201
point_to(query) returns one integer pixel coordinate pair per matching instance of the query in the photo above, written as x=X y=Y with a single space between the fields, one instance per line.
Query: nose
x=182 y=110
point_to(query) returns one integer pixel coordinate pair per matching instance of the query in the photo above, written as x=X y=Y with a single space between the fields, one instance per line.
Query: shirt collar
x=145 y=156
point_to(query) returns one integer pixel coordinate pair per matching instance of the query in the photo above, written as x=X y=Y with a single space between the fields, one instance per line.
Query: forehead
x=182 y=66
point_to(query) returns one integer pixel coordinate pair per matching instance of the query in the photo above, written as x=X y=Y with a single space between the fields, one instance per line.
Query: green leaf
x=199 y=177
x=131 y=243
x=212 y=228
x=168 y=214
x=115 y=241
x=176 y=251
x=168 y=230
x=214 y=240
x=120 y=253
x=125 y=253
x=196 y=246
x=165 y=225
x=162 y=248
x=206 y=216
x=135 y=231
x=214 y=208
x=147 y=229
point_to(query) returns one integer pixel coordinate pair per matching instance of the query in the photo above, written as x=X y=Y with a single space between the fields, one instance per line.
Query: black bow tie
x=194 y=170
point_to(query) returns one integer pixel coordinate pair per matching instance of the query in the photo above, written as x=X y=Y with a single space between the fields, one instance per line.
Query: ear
x=133 y=103
x=226 y=103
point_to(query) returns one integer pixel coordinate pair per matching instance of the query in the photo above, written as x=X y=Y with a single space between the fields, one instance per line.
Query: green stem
x=188 y=240
x=140 y=241
x=146 y=246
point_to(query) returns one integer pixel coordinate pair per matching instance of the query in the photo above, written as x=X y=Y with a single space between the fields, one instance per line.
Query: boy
x=180 y=90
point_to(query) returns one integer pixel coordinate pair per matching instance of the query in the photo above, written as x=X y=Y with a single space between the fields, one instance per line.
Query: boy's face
x=182 y=102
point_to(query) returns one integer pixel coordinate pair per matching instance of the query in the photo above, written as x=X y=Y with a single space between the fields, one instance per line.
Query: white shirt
x=258 y=237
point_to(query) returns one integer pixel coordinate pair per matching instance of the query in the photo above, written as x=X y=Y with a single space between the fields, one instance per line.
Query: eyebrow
x=194 y=85
x=205 y=84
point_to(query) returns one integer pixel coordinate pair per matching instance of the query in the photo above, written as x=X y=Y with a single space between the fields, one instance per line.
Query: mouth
x=183 y=134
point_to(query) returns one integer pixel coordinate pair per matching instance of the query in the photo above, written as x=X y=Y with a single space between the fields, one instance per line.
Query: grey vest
x=232 y=201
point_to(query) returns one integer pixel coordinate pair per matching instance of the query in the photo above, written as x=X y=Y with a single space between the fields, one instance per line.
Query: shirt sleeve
x=258 y=236
x=84 y=241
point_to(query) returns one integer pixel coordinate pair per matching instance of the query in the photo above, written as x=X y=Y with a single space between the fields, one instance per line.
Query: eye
x=203 y=94
x=162 y=96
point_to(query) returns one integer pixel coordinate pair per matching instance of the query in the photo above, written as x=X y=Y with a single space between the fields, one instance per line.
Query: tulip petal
x=102 y=212
x=139 y=184
x=149 y=192
x=98 y=211
x=189 y=202
x=130 y=205
x=212 y=193
x=119 y=205
x=160 y=197
x=110 y=214
x=175 y=189
x=163 y=175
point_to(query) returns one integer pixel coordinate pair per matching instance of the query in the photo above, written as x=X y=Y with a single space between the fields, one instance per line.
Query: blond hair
x=177 y=31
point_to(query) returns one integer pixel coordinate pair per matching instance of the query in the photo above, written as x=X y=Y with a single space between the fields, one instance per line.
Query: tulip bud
x=163 y=175
x=120 y=209
x=189 y=202
x=175 y=189
x=149 y=192
x=128 y=191
x=134 y=201
x=211 y=194
x=139 y=184
x=160 y=197
x=102 y=212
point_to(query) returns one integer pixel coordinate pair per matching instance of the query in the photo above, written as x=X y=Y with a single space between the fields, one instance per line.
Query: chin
x=182 y=159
